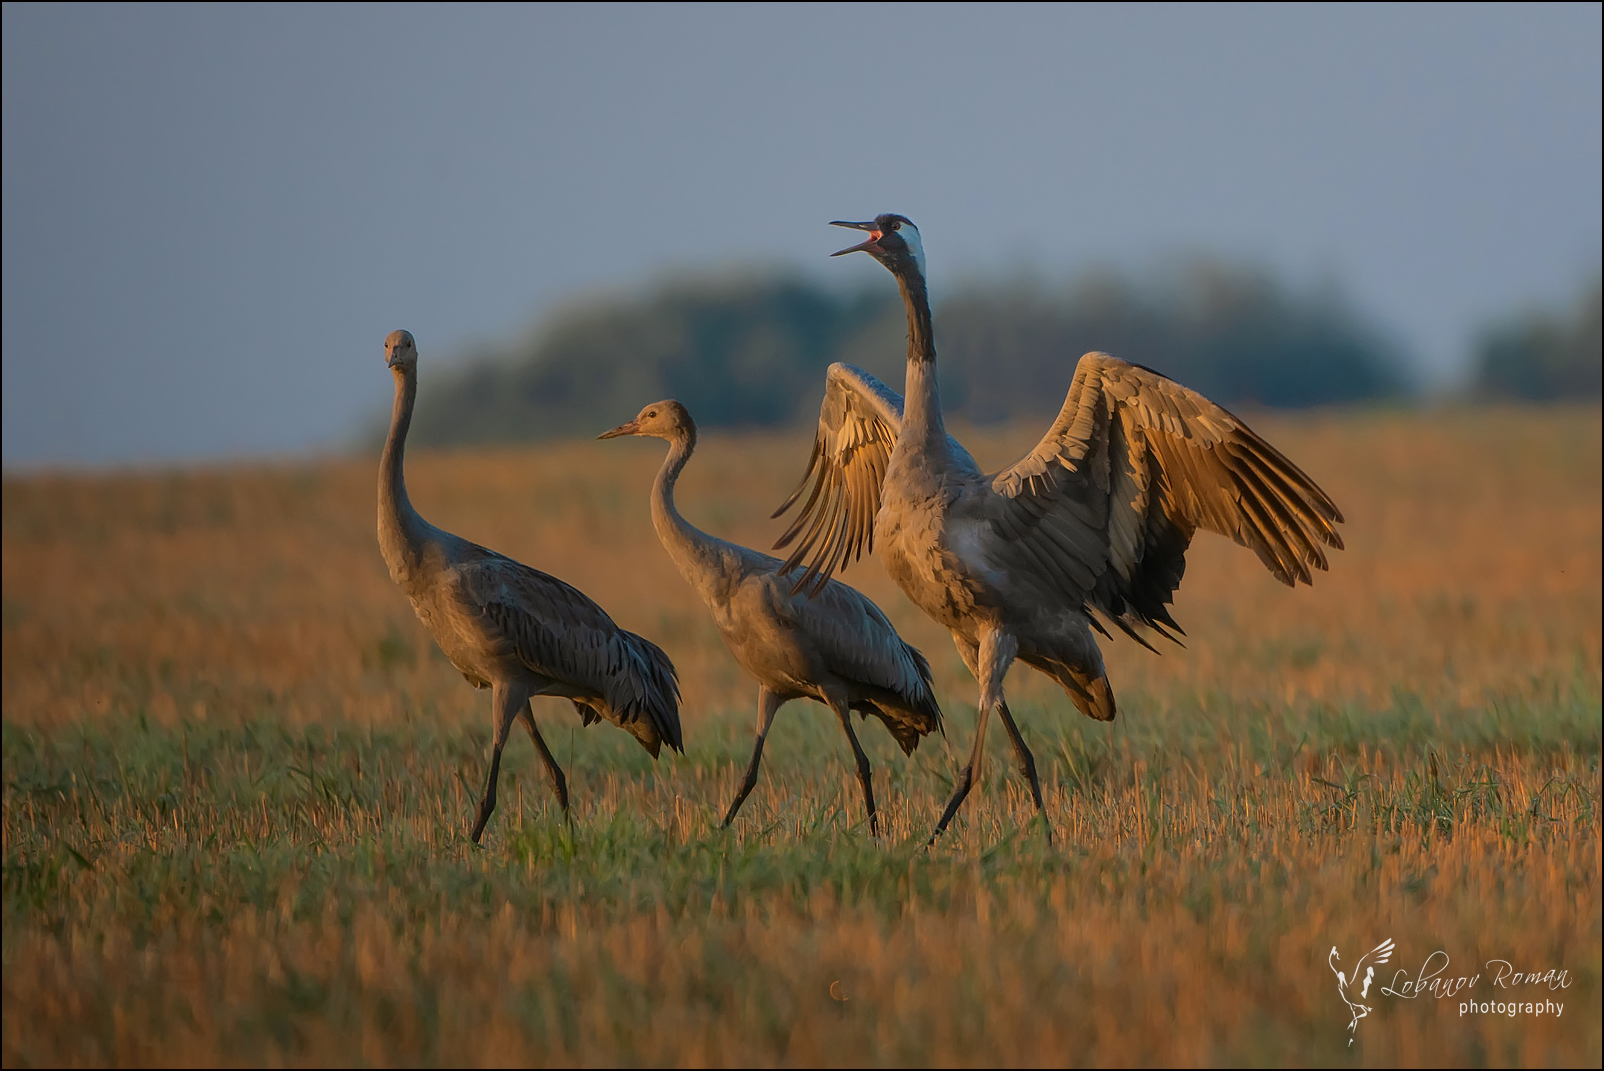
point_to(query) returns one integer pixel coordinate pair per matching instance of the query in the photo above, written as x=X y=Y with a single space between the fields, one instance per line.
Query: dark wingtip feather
x=1163 y=629
x=1126 y=628
x=807 y=472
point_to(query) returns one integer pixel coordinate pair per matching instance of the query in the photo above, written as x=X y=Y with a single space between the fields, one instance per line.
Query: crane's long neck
x=921 y=414
x=696 y=554
x=401 y=530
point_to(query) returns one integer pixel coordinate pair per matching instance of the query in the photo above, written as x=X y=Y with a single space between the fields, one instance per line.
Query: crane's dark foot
x=568 y=814
x=740 y=798
x=486 y=808
x=868 y=804
x=1029 y=765
x=865 y=771
x=559 y=787
x=749 y=782
x=960 y=791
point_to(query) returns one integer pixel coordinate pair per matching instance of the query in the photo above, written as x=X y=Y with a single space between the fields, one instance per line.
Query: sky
x=213 y=215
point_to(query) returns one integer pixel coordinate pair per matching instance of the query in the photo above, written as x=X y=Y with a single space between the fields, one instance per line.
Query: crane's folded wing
x=854 y=635
x=560 y=632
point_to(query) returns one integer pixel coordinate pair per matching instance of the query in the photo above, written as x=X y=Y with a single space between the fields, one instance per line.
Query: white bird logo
x=1380 y=954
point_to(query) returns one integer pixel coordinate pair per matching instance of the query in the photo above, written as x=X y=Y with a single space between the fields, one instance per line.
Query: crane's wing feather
x=859 y=422
x=558 y=631
x=1104 y=508
x=858 y=426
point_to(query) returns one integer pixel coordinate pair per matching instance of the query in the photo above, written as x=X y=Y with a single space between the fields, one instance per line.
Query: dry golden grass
x=238 y=780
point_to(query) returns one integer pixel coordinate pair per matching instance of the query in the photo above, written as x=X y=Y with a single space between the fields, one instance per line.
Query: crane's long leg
x=506 y=701
x=865 y=778
x=966 y=777
x=997 y=651
x=1027 y=763
x=768 y=704
x=559 y=783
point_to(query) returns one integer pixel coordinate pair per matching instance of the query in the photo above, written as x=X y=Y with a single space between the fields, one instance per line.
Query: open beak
x=632 y=428
x=869 y=246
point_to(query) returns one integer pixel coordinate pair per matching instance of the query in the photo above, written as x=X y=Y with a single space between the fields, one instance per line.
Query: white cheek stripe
x=910 y=234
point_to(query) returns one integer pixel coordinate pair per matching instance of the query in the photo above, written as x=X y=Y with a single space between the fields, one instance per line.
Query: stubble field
x=238 y=780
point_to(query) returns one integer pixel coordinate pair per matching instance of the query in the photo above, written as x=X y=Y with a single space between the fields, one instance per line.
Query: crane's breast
x=938 y=561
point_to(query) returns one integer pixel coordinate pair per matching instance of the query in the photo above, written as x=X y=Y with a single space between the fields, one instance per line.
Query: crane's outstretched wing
x=858 y=426
x=1104 y=508
x=558 y=631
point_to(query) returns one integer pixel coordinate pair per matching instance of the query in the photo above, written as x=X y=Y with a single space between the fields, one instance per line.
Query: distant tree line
x=1233 y=333
x=736 y=351
x=1544 y=354
x=745 y=350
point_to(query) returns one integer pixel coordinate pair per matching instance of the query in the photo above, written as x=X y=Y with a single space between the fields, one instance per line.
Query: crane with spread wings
x=1089 y=529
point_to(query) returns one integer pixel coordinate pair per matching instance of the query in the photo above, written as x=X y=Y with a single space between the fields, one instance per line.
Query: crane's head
x=893 y=241
x=666 y=419
x=400 y=352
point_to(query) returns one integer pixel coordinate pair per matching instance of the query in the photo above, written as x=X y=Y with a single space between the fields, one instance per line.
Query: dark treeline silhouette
x=1544 y=355
x=735 y=351
x=1233 y=333
x=751 y=350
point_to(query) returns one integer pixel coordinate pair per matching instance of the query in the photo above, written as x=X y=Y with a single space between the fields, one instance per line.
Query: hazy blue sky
x=213 y=216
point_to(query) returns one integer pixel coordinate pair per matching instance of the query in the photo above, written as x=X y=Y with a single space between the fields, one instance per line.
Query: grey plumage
x=835 y=647
x=1093 y=523
x=513 y=629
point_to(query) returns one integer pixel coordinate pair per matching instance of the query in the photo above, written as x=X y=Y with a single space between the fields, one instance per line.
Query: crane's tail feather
x=644 y=697
x=1092 y=694
x=911 y=712
x=906 y=725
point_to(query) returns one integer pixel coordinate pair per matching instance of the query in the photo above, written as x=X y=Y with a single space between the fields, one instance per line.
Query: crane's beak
x=869 y=246
x=632 y=428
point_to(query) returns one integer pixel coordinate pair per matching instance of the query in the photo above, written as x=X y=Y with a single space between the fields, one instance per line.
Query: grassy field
x=238 y=780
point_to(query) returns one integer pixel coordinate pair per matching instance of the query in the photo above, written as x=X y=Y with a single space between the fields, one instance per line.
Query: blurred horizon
x=212 y=216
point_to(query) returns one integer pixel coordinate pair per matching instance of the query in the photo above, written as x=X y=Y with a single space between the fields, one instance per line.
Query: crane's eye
x=652 y=413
